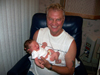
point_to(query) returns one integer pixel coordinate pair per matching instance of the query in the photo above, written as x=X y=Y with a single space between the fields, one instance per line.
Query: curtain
x=15 y=23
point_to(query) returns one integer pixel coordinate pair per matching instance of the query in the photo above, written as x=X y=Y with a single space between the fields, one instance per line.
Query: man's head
x=31 y=45
x=55 y=19
x=56 y=6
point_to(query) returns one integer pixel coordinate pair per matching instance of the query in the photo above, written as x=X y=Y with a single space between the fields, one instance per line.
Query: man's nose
x=54 y=22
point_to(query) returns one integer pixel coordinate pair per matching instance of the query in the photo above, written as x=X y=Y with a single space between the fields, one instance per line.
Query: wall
x=89 y=26
x=89 y=7
x=44 y=3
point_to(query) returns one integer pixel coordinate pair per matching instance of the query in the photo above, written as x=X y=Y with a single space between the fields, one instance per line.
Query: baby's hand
x=44 y=44
x=58 y=61
x=58 y=53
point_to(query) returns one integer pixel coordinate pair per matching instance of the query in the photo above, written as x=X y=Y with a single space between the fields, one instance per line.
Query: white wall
x=15 y=22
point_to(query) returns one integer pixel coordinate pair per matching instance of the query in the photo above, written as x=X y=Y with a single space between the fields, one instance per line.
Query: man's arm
x=70 y=62
x=35 y=35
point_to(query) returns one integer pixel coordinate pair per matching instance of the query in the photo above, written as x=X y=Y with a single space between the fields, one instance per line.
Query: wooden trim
x=62 y=2
x=83 y=15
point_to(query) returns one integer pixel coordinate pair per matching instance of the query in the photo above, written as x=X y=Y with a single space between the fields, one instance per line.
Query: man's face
x=55 y=20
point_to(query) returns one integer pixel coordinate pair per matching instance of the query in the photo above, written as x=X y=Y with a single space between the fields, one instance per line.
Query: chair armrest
x=21 y=67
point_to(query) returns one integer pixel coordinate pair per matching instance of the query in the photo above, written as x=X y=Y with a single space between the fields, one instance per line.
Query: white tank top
x=61 y=42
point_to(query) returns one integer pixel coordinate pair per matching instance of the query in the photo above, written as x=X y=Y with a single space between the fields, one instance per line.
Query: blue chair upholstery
x=21 y=67
x=72 y=25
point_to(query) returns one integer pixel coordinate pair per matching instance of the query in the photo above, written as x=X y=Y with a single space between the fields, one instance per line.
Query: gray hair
x=56 y=6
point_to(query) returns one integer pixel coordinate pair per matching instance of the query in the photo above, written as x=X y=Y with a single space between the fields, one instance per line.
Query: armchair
x=72 y=25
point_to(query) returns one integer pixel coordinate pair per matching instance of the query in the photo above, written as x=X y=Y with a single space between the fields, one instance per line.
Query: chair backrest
x=72 y=25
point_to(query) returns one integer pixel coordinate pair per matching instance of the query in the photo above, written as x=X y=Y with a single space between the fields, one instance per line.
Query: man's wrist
x=50 y=68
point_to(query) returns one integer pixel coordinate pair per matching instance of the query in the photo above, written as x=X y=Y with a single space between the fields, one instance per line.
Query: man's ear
x=64 y=18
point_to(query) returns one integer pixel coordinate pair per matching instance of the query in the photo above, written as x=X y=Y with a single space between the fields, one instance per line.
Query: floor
x=91 y=70
x=91 y=73
x=91 y=66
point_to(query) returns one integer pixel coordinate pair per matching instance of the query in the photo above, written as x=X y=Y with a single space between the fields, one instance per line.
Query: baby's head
x=31 y=45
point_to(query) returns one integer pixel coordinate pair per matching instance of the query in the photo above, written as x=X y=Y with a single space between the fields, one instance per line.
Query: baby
x=33 y=48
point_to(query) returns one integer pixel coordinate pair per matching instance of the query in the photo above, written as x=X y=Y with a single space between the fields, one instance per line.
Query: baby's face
x=34 y=46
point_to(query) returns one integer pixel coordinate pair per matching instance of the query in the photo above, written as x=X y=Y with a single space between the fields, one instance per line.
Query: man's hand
x=29 y=51
x=39 y=63
x=45 y=62
x=42 y=62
